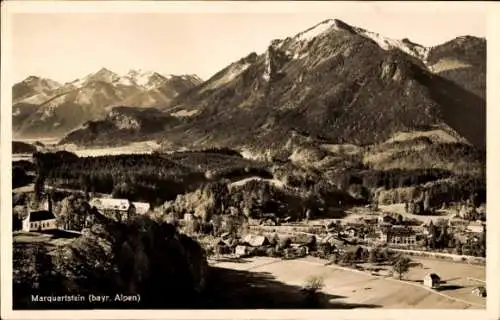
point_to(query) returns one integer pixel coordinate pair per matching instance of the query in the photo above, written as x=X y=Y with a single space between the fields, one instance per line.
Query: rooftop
x=41 y=215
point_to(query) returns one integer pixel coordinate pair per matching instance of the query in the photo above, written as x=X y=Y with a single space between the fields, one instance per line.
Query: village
x=372 y=241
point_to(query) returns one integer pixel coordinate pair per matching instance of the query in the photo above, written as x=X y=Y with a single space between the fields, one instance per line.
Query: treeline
x=20 y=177
x=458 y=189
x=398 y=178
x=152 y=259
x=24 y=164
x=219 y=163
x=153 y=178
x=22 y=147
x=443 y=186
x=21 y=173
x=224 y=151
x=146 y=178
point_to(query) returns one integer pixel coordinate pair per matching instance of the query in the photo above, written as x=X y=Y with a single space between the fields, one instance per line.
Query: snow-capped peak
x=104 y=75
x=404 y=45
x=145 y=79
x=317 y=30
x=385 y=43
x=41 y=84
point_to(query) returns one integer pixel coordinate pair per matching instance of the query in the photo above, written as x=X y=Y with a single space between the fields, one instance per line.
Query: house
x=370 y=220
x=141 y=207
x=119 y=208
x=39 y=221
x=432 y=280
x=479 y=291
x=255 y=241
x=385 y=219
x=476 y=227
x=335 y=243
x=351 y=232
x=221 y=247
x=398 y=235
x=457 y=223
x=372 y=236
x=241 y=251
x=300 y=249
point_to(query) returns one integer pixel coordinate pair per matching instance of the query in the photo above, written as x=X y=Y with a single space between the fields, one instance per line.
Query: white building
x=39 y=221
x=432 y=280
x=476 y=227
x=119 y=208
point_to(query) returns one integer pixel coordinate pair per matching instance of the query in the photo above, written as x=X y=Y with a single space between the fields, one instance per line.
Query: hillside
x=121 y=124
x=44 y=108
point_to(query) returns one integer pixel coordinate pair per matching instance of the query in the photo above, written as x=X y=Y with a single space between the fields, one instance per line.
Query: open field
x=346 y=288
x=132 y=148
x=143 y=147
x=457 y=277
x=356 y=214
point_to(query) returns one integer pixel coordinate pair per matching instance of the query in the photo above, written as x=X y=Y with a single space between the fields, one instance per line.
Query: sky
x=67 y=46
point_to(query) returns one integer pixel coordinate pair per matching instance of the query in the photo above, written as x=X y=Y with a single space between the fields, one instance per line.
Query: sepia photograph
x=307 y=156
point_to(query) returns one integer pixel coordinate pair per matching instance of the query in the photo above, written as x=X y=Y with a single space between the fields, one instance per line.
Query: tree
x=373 y=255
x=311 y=243
x=399 y=219
x=427 y=205
x=39 y=186
x=308 y=214
x=401 y=266
x=311 y=290
x=216 y=224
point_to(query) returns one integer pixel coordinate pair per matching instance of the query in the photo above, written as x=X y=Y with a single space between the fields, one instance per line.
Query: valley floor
x=255 y=282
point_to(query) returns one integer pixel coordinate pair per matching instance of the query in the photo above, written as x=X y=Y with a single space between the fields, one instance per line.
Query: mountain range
x=46 y=108
x=333 y=84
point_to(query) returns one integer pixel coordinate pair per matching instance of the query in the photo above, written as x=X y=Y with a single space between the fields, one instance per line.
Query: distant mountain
x=42 y=107
x=331 y=84
x=462 y=60
x=120 y=125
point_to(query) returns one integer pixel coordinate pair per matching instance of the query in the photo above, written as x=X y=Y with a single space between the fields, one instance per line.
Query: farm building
x=432 y=280
x=479 y=291
x=39 y=221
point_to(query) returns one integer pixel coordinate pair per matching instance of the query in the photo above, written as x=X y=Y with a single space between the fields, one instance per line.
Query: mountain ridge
x=332 y=82
x=43 y=107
